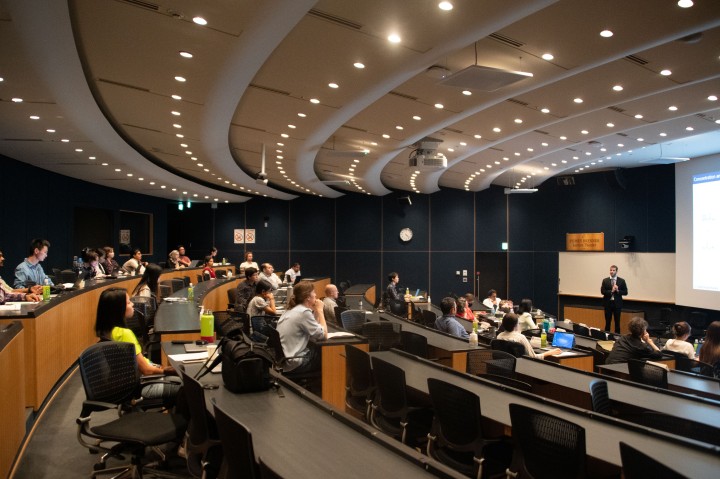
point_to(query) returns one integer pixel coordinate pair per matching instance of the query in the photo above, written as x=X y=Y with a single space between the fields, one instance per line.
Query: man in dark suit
x=613 y=289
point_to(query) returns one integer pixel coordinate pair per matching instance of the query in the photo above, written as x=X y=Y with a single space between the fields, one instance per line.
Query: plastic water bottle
x=543 y=339
x=191 y=292
x=46 y=290
x=474 y=335
x=207 y=326
x=360 y=305
x=429 y=303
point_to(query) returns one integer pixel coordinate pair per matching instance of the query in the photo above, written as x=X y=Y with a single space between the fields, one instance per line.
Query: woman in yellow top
x=114 y=306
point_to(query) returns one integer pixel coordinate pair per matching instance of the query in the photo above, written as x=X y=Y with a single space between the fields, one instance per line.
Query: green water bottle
x=207 y=326
x=191 y=293
x=543 y=339
x=46 y=290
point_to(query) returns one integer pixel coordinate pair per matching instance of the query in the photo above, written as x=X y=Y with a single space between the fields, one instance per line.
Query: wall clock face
x=406 y=234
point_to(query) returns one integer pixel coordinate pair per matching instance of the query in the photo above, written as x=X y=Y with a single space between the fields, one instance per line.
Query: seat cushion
x=150 y=429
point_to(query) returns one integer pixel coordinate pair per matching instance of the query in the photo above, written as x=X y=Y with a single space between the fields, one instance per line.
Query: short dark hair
x=110 y=312
x=249 y=272
x=392 y=276
x=680 y=329
x=491 y=292
x=637 y=326
x=262 y=286
x=447 y=304
x=208 y=259
x=136 y=251
x=509 y=322
x=38 y=243
x=525 y=306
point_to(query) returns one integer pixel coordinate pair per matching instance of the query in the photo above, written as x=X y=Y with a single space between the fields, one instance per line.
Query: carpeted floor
x=53 y=450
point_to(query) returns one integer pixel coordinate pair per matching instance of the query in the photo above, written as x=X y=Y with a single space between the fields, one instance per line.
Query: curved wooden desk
x=12 y=399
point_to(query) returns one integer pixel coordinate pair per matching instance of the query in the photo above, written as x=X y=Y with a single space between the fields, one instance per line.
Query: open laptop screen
x=563 y=340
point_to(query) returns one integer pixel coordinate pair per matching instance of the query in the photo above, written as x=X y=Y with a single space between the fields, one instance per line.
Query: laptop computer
x=194 y=263
x=564 y=341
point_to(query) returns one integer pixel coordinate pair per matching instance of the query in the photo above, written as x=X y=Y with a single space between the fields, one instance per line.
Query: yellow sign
x=585 y=242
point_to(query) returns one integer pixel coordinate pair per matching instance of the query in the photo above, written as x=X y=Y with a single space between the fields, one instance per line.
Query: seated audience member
x=636 y=345
x=263 y=303
x=248 y=263
x=463 y=310
x=208 y=271
x=447 y=322
x=293 y=273
x=148 y=285
x=268 y=274
x=213 y=253
x=679 y=344
x=525 y=319
x=710 y=351
x=302 y=322
x=246 y=289
x=114 y=306
x=135 y=265
x=30 y=272
x=492 y=301
x=330 y=302
x=110 y=266
x=173 y=261
x=37 y=289
x=89 y=264
x=511 y=333
x=391 y=291
x=184 y=260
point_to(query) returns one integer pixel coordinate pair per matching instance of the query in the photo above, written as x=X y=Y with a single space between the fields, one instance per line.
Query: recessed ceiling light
x=394 y=38
x=451 y=149
x=79 y=150
x=398 y=127
x=163 y=186
x=639 y=116
x=641 y=139
x=712 y=98
x=518 y=120
x=672 y=108
x=180 y=79
x=104 y=164
x=663 y=134
x=584 y=132
x=690 y=128
x=621 y=145
x=416 y=118
x=314 y=100
x=563 y=138
x=50 y=130
x=447 y=6
x=545 y=110
x=188 y=152
x=292 y=126
x=578 y=100
x=65 y=140
x=200 y=165
x=618 y=88
x=129 y=174
x=177 y=125
x=610 y=125
x=665 y=72
x=17 y=100
x=200 y=20
x=544 y=144
x=176 y=113
x=91 y=157
x=281 y=144
x=386 y=136
x=302 y=115
x=176 y=97
x=118 y=169
x=2 y=79
x=467 y=92
x=497 y=130
x=359 y=65
x=462 y=143
x=477 y=136
x=547 y=56
x=186 y=54
x=333 y=85
x=439 y=106
x=685 y=3
x=606 y=33
x=284 y=135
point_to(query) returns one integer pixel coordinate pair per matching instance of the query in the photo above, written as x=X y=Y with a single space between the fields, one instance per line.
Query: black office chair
x=510 y=347
x=698 y=323
x=382 y=335
x=398 y=307
x=679 y=426
x=232 y=298
x=110 y=378
x=68 y=276
x=228 y=323
x=176 y=284
x=428 y=318
x=165 y=290
x=537 y=437
x=599 y=358
x=649 y=374
x=338 y=311
x=581 y=330
x=489 y=361
x=660 y=326
x=359 y=386
x=598 y=334
x=352 y=320
x=237 y=444
x=414 y=343
x=200 y=278
x=600 y=398
x=310 y=380
x=457 y=438
x=683 y=363
x=202 y=443
x=508 y=381
x=391 y=410
x=638 y=465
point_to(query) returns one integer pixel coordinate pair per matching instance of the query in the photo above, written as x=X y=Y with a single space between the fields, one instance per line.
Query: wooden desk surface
x=677 y=381
x=300 y=436
x=603 y=434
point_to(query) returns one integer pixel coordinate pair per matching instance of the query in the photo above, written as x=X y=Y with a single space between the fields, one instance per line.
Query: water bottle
x=191 y=292
x=543 y=339
x=360 y=305
x=695 y=346
x=429 y=303
x=46 y=290
x=207 y=326
x=474 y=335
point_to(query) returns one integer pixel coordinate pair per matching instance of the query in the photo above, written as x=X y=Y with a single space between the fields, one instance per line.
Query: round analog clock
x=406 y=234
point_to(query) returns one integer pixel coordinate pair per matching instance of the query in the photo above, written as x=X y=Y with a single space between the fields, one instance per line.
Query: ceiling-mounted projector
x=261 y=178
x=426 y=156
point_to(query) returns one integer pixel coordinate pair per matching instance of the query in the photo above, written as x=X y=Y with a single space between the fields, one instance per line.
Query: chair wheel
x=98 y=466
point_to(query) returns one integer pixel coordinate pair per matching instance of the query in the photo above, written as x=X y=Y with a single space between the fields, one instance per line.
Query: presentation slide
x=697 y=233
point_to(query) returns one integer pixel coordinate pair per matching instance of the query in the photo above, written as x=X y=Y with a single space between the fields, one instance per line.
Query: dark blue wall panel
x=397 y=216
x=443 y=279
x=359 y=222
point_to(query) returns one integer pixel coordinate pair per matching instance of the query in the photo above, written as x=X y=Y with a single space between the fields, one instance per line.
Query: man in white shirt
x=330 y=302
x=292 y=273
x=492 y=301
x=268 y=274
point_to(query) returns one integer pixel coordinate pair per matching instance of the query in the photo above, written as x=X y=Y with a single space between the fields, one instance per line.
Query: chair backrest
x=138 y=326
x=458 y=419
x=273 y=341
x=165 y=290
x=68 y=276
x=638 y=465
x=109 y=372
x=507 y=381
x=581 y=330
x=489 y=361
x=353 y=320
x=649 y=374
x=599 y=358
x=382 y=335
x=679 y=426
x=200 y=278
x=198 y=428
x=147 y=305
x=414 y=343
x=683 y=363
x=511 y=347
x=390 y=397
x=232 y=297
x=262 y=327
x=598 y=334
x=237 y=446
x=343 y=285
x=398 y=307
x=359 y=379
x=697 y=320
x=428 y=318
x=338 y=311
x=539 y=436
x=600 y=397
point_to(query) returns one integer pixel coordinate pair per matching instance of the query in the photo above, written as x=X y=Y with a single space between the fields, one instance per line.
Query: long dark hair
x=150 y=277
x=110 y=311
x=710 y=352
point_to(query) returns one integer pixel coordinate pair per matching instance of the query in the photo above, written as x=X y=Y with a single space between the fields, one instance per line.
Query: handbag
x=246 y=365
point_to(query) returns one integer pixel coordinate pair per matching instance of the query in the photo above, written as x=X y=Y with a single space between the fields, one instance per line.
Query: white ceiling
x=101 y=74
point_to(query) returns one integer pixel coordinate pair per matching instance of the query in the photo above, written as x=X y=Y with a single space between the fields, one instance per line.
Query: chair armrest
x=95 y=406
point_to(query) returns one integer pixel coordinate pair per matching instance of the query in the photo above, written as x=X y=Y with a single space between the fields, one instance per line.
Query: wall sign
x=585 y=242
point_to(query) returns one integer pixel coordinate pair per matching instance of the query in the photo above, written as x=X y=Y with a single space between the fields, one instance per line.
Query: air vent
x=124 y=85
x=622 y=134
x=517 y=102
x=453 y=130
x=636 y=59
x=142 y=128
x=329 y=17
x=506 y=40
x=402 y=95
x=496 y=149
x=616 y=108
x=249 y=127
x=139 y=3
x=269 y=89
x=362 y=130
x=541 y=132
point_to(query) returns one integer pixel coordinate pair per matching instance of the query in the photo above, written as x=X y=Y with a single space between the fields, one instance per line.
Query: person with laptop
x=511 y=333
x=184 y=260
x=30 y=272
x=447 y=323
x=24 y=294
x=636 y=345
x=292 y=273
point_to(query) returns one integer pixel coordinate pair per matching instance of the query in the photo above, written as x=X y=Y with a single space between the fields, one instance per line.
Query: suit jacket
x=610 y=299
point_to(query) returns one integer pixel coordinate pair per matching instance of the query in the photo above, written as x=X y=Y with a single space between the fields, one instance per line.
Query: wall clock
x=406 y=234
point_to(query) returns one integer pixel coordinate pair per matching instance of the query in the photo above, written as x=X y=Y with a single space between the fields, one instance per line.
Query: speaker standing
x=613 y=289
